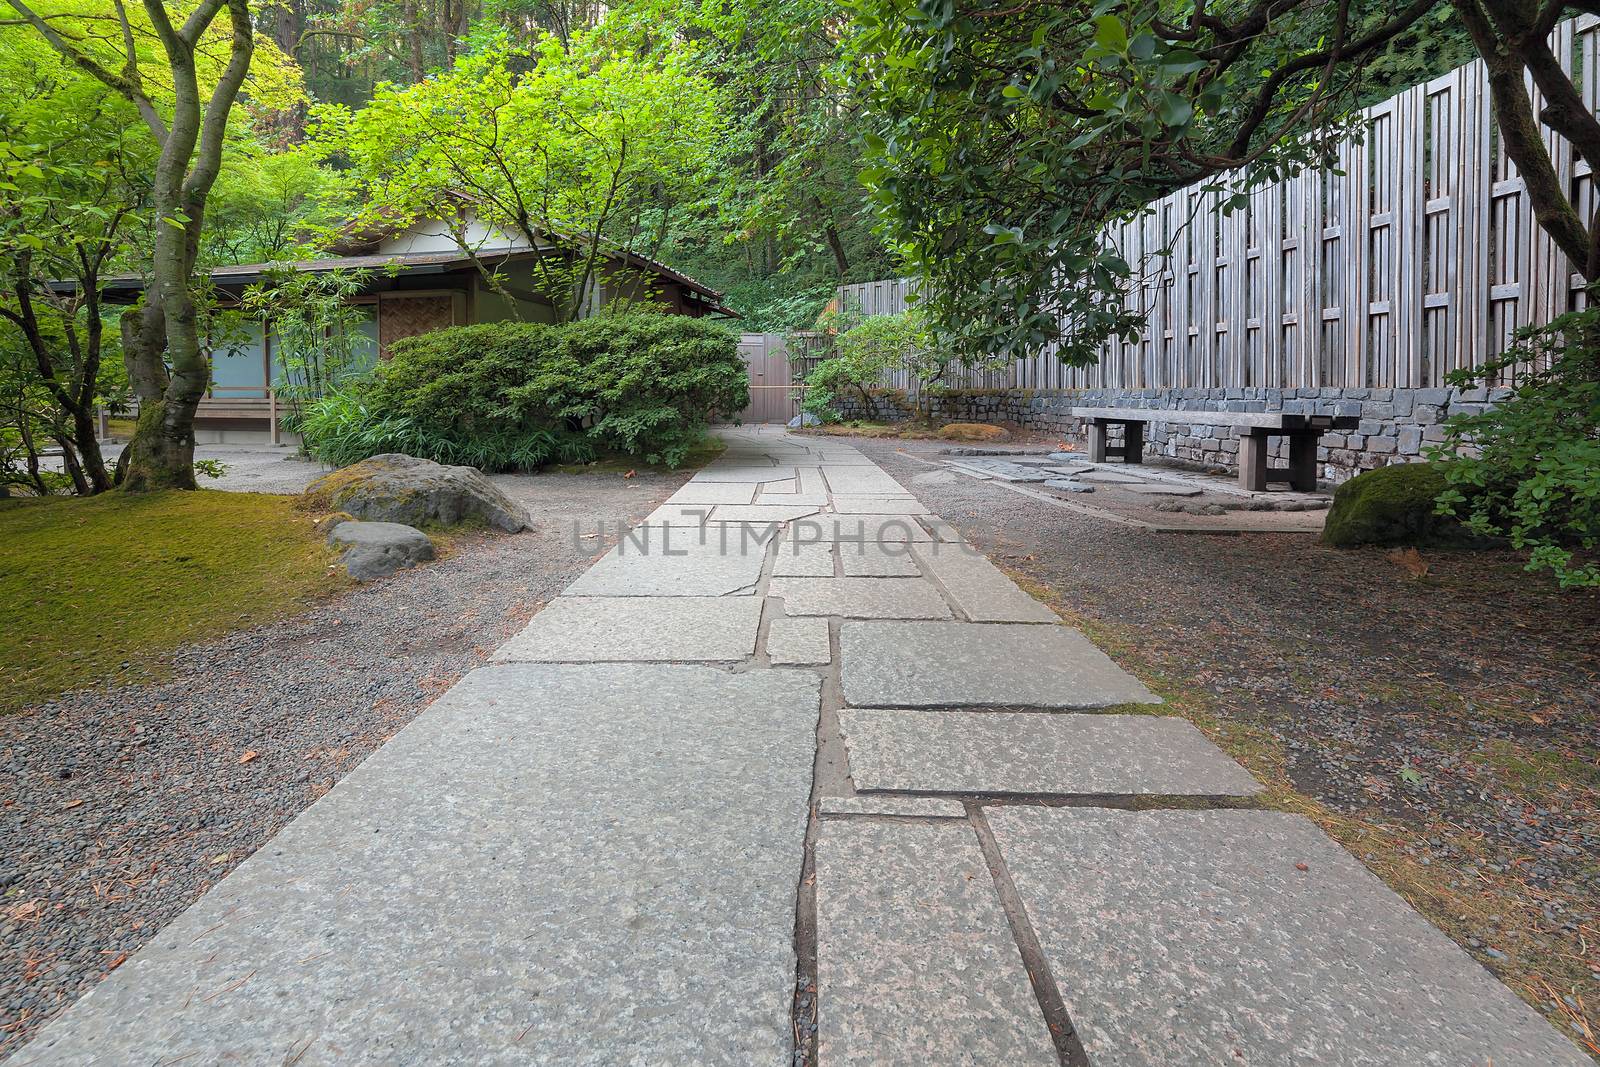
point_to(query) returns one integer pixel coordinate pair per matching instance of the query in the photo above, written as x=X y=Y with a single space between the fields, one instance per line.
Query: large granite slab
x=584 y=865
x=762 y=512
x=1184 y=938
x=878 y=559
x=798 y=642
x=878 y=504
x=863 y=479
x=697 y=492
x=860 y=598
x=753 y=474
x=859 y=528
x=916 y=964
x=578 y=629
x=981 y=590
x=1032 y=752
x=900 y=807
x=671 y=561
x=941 y=664
x=809 y=560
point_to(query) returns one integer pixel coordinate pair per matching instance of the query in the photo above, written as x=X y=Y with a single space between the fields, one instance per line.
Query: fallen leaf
x=73 y=803
x=248 y=756
x=630 y=474
x=1301 y=867
x=1410 y=560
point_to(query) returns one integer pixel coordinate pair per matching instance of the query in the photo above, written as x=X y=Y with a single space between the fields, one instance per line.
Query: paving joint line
x=1057 y=1020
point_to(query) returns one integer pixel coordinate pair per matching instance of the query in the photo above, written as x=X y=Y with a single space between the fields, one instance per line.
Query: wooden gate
x=774 y=394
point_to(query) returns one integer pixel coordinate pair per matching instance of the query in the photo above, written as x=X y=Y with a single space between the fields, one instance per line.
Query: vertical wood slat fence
x=1420 y=258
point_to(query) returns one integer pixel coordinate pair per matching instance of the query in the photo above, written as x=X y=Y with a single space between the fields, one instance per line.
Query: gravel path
x=1446 y=730
x=120 y=807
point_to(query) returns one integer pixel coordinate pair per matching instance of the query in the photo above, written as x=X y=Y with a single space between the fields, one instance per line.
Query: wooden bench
x=1303 y=432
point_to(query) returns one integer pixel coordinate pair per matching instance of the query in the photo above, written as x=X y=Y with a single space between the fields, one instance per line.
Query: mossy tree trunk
x=167 y=366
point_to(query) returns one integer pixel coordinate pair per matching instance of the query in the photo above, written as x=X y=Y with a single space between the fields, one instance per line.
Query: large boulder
x=1392 y=505
x=415 y=492
x=376 y=549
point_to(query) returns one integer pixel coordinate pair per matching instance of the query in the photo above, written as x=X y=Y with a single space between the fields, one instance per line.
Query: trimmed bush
x=1392 y=505
x=513 y=396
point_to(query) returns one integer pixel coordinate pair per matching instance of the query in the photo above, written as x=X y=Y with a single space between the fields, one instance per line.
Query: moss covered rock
x=414 y=492
x=1392 y=506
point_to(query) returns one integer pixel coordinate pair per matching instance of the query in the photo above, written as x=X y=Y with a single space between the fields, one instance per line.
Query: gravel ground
x=120 y=807
x=1443 y=728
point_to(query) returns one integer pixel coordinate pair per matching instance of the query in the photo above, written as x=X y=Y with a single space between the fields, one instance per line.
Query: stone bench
x=1303 y=432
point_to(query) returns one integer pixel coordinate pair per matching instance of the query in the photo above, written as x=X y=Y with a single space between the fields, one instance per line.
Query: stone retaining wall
x=1396 y=424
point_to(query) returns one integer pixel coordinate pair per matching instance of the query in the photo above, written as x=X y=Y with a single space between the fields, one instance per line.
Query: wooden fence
x=1421 y=257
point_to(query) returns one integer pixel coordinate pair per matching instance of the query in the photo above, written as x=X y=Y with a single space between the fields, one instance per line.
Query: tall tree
x=1008 y=135
x=575 y=151
x=167 y=365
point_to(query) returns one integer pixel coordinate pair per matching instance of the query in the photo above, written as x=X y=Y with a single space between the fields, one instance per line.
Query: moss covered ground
x=110 y=586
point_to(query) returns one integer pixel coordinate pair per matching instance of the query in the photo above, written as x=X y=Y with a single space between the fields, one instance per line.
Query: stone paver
x=762 y=512
x=878 y=804
x=916 y=964
x=868 y=480
x=878 y=559
x=698 y=492
x=798 y=642
x=1185 y=938
x=678 y=563
x=862 y=504
x=860 y=528
x=795 y=560
x=577 y=629
x=1036 y=752
x=558 y=864
x=941 y=664
x=981 y=590
x=748 y=474
x=860 y=598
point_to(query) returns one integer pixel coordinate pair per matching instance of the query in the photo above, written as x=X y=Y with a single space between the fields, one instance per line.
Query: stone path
x=792 y=733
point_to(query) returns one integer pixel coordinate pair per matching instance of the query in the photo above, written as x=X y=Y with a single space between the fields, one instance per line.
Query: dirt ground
x=1438 y=716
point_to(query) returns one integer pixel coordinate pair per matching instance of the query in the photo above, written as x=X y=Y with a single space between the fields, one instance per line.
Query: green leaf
x=1110 y=33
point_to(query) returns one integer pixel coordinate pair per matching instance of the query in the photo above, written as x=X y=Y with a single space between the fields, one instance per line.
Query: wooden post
x=1253 y=461
x=272 y=416
x=1097 y=440
x=1303 y=461
x=1133 y=442
x=104 y=420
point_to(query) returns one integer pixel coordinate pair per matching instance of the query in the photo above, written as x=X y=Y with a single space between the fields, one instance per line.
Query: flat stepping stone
x=878 y=559
x=877 y=504
x=798 y=642
x=860 y=528
x=1004 y=470
x=1109 y=477
x=1184 y=938
x=860 y=598
x=793 y=560
x=945 y=664
x=664 y=561
x=1036 y=753
x=563 y=864
x=916 y=964
x=753 y=475
x=1161 y=489
x=694 y=492
x=878 y=804
x=860 y=480
x=981 y=590
x=577 y=629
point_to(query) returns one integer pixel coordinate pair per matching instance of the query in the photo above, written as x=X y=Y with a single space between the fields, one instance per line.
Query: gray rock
x=805 y=418
x=377 y=549
x=398 y=488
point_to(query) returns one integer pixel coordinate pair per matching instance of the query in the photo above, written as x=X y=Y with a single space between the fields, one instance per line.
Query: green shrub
x=1529 y=468
x=866 y=352
x=1392 y=506
x=514 y=395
